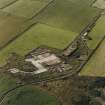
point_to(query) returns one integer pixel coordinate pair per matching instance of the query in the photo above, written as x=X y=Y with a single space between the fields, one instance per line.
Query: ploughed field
x=58 y=23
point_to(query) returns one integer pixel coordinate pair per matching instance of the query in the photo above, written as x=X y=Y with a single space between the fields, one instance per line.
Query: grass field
x=71 y=15
x=22 y=97
x=58 y=25
x=96 y=65
x=9 y=26
x=26 y=8
x=97 y=33
x=39 y=34
x=86 y=2
x=27 y=95
x=6 y=83
x=4 y=3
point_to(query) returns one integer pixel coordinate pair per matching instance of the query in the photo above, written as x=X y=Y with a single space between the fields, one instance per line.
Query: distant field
x=4 y=3
x=96 y=65
x=39 y=34
x=71 y=15
x=26 y=8
x=30 y=95
x=9 y=26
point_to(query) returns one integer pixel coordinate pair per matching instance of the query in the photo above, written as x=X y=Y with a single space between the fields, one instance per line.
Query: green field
x=26 y=8
x=71 y=15
x=30 y=95
x=9 y=26
x=56 y=27
x=27 y=95
x=39 y=34
x=96 y=65
x=6 y=82
x=97 y=33
x=4 y=3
